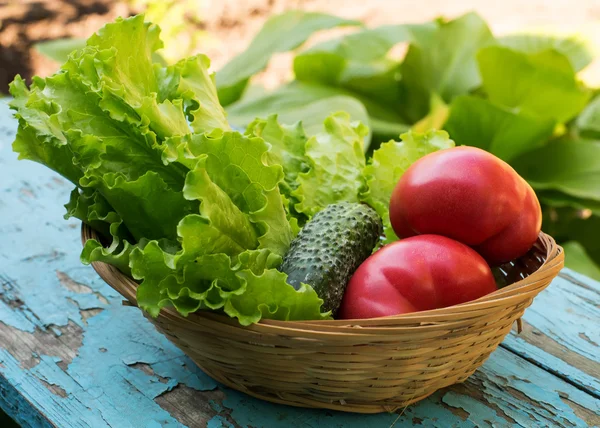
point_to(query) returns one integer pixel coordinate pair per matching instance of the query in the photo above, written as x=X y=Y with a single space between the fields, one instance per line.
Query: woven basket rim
x=553 y=263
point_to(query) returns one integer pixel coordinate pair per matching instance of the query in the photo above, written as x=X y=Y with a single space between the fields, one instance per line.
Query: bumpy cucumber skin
x=329 y=249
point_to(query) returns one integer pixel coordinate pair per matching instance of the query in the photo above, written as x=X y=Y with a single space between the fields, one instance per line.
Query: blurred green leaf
x=280 y=33
x=59 y=50
x=477 y=122
x=576 y=48
x=359 y=61
x=438 y=115
x=588 y=122
x=576 y=258
x=558 y=199
x=311 y=104
x=442 y=61
x=543 y=84
x=571 y=167
x=568 y=225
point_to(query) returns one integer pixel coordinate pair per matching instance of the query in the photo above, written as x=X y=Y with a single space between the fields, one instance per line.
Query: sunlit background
x=223 y=28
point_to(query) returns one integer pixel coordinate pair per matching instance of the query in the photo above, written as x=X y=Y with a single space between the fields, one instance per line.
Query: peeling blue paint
x=480 y=415
x=130 y=389
x=107 y=384
x=578 y=332
x=219 y=422
x=14 y=318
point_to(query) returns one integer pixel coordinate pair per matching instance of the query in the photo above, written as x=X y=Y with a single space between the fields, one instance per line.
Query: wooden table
x=71 y=355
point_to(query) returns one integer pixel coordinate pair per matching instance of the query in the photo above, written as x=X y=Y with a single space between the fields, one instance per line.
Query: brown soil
x=231 y=24
x=25 y=22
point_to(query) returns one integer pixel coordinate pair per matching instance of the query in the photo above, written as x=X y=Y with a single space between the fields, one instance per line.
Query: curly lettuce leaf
x=388 y=164
x=148 y=206
x=190 y=208
x=221 y=226
x=268 y=295
x=68 y=131
x=287 y=146
x=239 y=165
x=247 y=287
x=288 y=150
x=197 y=87
x=117 y=63
x=336 y=161
x=90 y=207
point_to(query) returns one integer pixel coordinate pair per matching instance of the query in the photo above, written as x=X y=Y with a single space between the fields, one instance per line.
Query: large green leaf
x=388 y=164
x=443 y=62
x=575 y=47
x=572 y=167
x=477 y=122
x=310 y=104
x=359 y=61
x=543 y=83
x=279 y=34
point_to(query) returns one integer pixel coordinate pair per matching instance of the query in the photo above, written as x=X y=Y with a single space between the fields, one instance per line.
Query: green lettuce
x=184 y=204
x=336 y=159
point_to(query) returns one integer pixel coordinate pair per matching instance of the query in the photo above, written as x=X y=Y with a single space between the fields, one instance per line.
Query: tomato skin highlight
x=470 y=195
x=416 y=274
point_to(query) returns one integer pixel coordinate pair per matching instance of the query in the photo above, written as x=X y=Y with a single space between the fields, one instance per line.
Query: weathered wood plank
x=72 y=356
x=562 y=331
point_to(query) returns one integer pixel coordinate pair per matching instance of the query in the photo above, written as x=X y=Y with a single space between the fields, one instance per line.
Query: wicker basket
x=363 y=366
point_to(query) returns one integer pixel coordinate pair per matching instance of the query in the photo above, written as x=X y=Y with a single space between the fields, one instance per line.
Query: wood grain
x=562 y=332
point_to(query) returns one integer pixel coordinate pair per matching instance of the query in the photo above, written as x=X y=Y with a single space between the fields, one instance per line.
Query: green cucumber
x=329 y=249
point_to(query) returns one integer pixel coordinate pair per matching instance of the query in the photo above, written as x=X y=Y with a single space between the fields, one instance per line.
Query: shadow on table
x=6 y=421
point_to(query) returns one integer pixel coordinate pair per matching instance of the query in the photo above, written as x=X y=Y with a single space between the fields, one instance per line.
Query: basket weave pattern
x=364 y=366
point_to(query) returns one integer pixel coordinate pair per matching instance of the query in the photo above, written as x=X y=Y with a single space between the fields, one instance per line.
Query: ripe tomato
x=415 y=274
x=470 y=195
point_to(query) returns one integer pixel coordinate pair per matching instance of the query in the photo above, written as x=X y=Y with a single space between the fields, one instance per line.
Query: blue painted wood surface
x=72 y=356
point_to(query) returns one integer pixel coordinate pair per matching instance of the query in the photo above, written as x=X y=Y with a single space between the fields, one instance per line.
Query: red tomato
x=416 y=274
x=470 y=195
